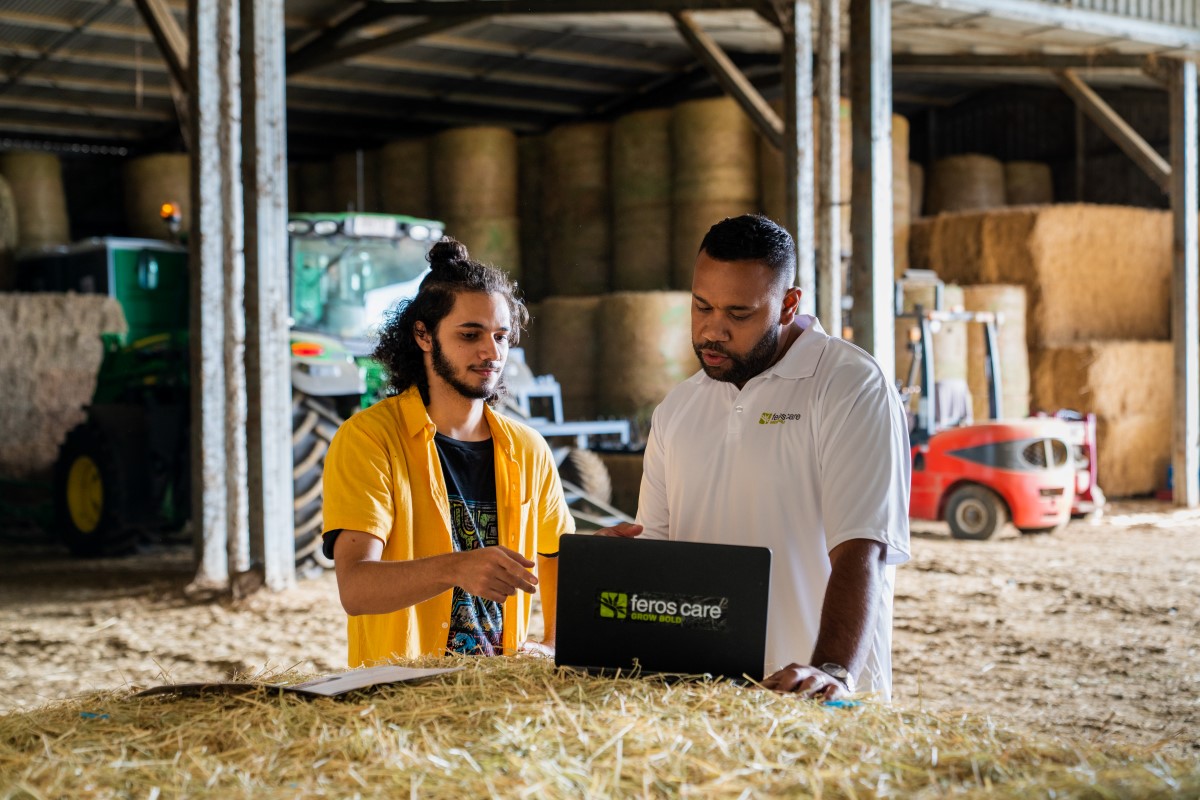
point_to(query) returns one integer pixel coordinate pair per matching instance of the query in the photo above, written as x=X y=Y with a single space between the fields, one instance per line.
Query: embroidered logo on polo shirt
x=776 y=418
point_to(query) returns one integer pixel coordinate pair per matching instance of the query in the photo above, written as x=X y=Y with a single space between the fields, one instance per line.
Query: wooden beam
x=872 y=258
x=442 y=8
x=829 y=188
x=798 y=144
x=1117 y=129
x=321 y=55
x=903 y=63
x=90 y=110
x=328 y=39
x=1185 y=283
x=170 y=38
x=731 y=79
x=11 y=125
x=554 y=55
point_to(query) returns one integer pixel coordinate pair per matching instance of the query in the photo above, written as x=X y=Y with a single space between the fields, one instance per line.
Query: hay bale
x=641 y=193
x=8 y=236
x=150 y=181
x=35 y=180
x=1122 y=384
x=316 y=187
x=645 y=352
x=964 y=183
x=578 y=208
x=689 y=223
x=1090 y=272
x=916 y=186
x=568 y=348
x=48 y=372
x=356 y=181
x=901 y=196
x=1028 y=183
x=492 y=241
x=475 y=173
x=1009 y=303
x=404 y=186
x=949 y=340
x=625 y=470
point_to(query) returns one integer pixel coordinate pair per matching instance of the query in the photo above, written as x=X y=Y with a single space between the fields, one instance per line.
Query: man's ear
x=791 y=306
x=424 y=340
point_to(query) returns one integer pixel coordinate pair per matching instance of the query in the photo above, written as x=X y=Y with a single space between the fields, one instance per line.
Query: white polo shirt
x=811 y=453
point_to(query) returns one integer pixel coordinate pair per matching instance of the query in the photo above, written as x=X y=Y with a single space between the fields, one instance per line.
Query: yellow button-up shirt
x=383 y=477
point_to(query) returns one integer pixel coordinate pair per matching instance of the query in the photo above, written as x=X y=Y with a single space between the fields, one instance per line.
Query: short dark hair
x=452 y=272
x=753 y=237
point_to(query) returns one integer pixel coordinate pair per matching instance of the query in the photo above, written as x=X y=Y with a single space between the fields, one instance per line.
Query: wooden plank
x=1185 y=318
x=829 y=188
x=268 y=366
x=170 y=38
x=798 y=144
x=323 y=54
x=731 y=79
x=1117 y=129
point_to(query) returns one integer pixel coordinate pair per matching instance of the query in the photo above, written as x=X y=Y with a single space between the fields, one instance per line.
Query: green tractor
x=126 y=470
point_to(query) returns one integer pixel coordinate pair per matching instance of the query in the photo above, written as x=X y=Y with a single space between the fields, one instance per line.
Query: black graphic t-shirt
x=476 y=624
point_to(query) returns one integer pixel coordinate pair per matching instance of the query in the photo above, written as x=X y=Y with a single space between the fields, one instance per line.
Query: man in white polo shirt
x=789 y=439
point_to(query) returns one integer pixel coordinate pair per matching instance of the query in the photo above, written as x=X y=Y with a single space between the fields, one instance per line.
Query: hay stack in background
x=404 y=178
x=151 y=181
x=625 y=470
x=641 y=194
x=8 y=236
x=492 y=241
x=475 y=192
x=356 y=181
x=1123 y=384
x=529 y=210
x=901 y=196
x=1009 y=303
x=35 y=180
x=578 y=208
x=916 y=186
x=567 y=348
x=964 y=183
x=1028 y=183
x=714 y=175
x=949 y=340
x=645 y=350
x=1090 y=272
x=316 y=187
x=48 y=372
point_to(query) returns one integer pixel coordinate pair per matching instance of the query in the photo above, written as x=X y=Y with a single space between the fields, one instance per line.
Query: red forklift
x=1036 y=472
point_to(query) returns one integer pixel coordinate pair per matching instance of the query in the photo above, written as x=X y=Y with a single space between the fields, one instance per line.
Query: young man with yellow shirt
x=435 y=507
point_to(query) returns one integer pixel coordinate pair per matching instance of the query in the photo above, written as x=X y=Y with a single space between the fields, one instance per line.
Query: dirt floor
x=1093 y=631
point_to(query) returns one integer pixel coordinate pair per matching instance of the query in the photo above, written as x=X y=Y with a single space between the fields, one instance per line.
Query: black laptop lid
x=679 y=607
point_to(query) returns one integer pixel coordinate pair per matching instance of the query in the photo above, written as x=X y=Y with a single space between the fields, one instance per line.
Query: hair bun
x=446 y=253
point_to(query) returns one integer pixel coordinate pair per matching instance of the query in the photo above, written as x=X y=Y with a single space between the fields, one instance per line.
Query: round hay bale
x=901 y=195
x=916 y=186
x=151 y=181
x=641 y=159
x=8 y=236
x=35 y=180
x=1028 y=183
x=404 y=178
x=646 y=350
x=475 y=173
x=714 y=152
x=966 y=182
x=642 y=248
x=689 y=223
x=356 y=181
x=316 y=187
x=578 y=208
x=567 y=348
x=1009 y=302
x=529 y=196
x=949 y=340
x=492 y=241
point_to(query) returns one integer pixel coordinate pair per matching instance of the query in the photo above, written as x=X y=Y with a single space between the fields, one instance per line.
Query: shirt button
x=738 y=409
x=445 y=624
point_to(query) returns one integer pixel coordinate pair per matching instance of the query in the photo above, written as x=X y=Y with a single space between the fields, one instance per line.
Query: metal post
x=829 y=187
x=1185 y=325
x=207 y=320
x=798 y=144
x=268 y=382
x=872 y=266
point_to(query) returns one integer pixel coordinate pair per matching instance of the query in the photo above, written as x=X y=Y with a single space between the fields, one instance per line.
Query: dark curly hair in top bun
x=452 y=272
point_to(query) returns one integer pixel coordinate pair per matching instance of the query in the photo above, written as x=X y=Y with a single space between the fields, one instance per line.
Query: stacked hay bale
x=949 y=338
x=48 y=372
x=714 y=175
x=1008 y=303
x=355 y=181
x=35 y=180
x=475 y=192
x=916 y=186
x=965 y=183
x=578 y=208
x=151 y=181
x=8 y=236
x=902 y=213
x=404 y=178
x=567 y=347
x=1028 y=183
x=1094 y=276
x=316 y=187
x=645 y=351
x=641 y=194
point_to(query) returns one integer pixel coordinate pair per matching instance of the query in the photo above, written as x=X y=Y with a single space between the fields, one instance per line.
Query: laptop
x=652 y=606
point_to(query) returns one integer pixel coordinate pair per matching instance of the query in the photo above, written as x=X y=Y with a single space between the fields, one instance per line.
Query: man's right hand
x=494 y=573
x=626 y=530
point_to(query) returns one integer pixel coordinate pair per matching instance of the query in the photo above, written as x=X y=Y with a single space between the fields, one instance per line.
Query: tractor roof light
x=299 y=227
x=326 y=227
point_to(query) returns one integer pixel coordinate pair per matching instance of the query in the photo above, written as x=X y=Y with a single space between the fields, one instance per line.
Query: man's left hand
x=806 y=681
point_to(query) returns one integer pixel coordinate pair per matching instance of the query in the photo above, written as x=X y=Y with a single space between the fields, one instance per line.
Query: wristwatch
x=838 y=673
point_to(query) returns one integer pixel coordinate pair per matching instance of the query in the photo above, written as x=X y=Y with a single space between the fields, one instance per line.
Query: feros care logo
x=776 y=418
x=614 y=605
x=662 y=608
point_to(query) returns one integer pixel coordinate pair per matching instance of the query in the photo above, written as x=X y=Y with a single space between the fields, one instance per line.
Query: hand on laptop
x=625 y=530
x=808 y=682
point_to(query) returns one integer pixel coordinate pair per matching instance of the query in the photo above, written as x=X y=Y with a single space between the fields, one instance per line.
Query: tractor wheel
x=89 y=493
x=586 y=470
x=975 y=512
x=314 y=422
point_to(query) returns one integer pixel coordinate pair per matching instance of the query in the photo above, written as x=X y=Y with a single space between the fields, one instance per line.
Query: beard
x=741 y=368
x=490 y=391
